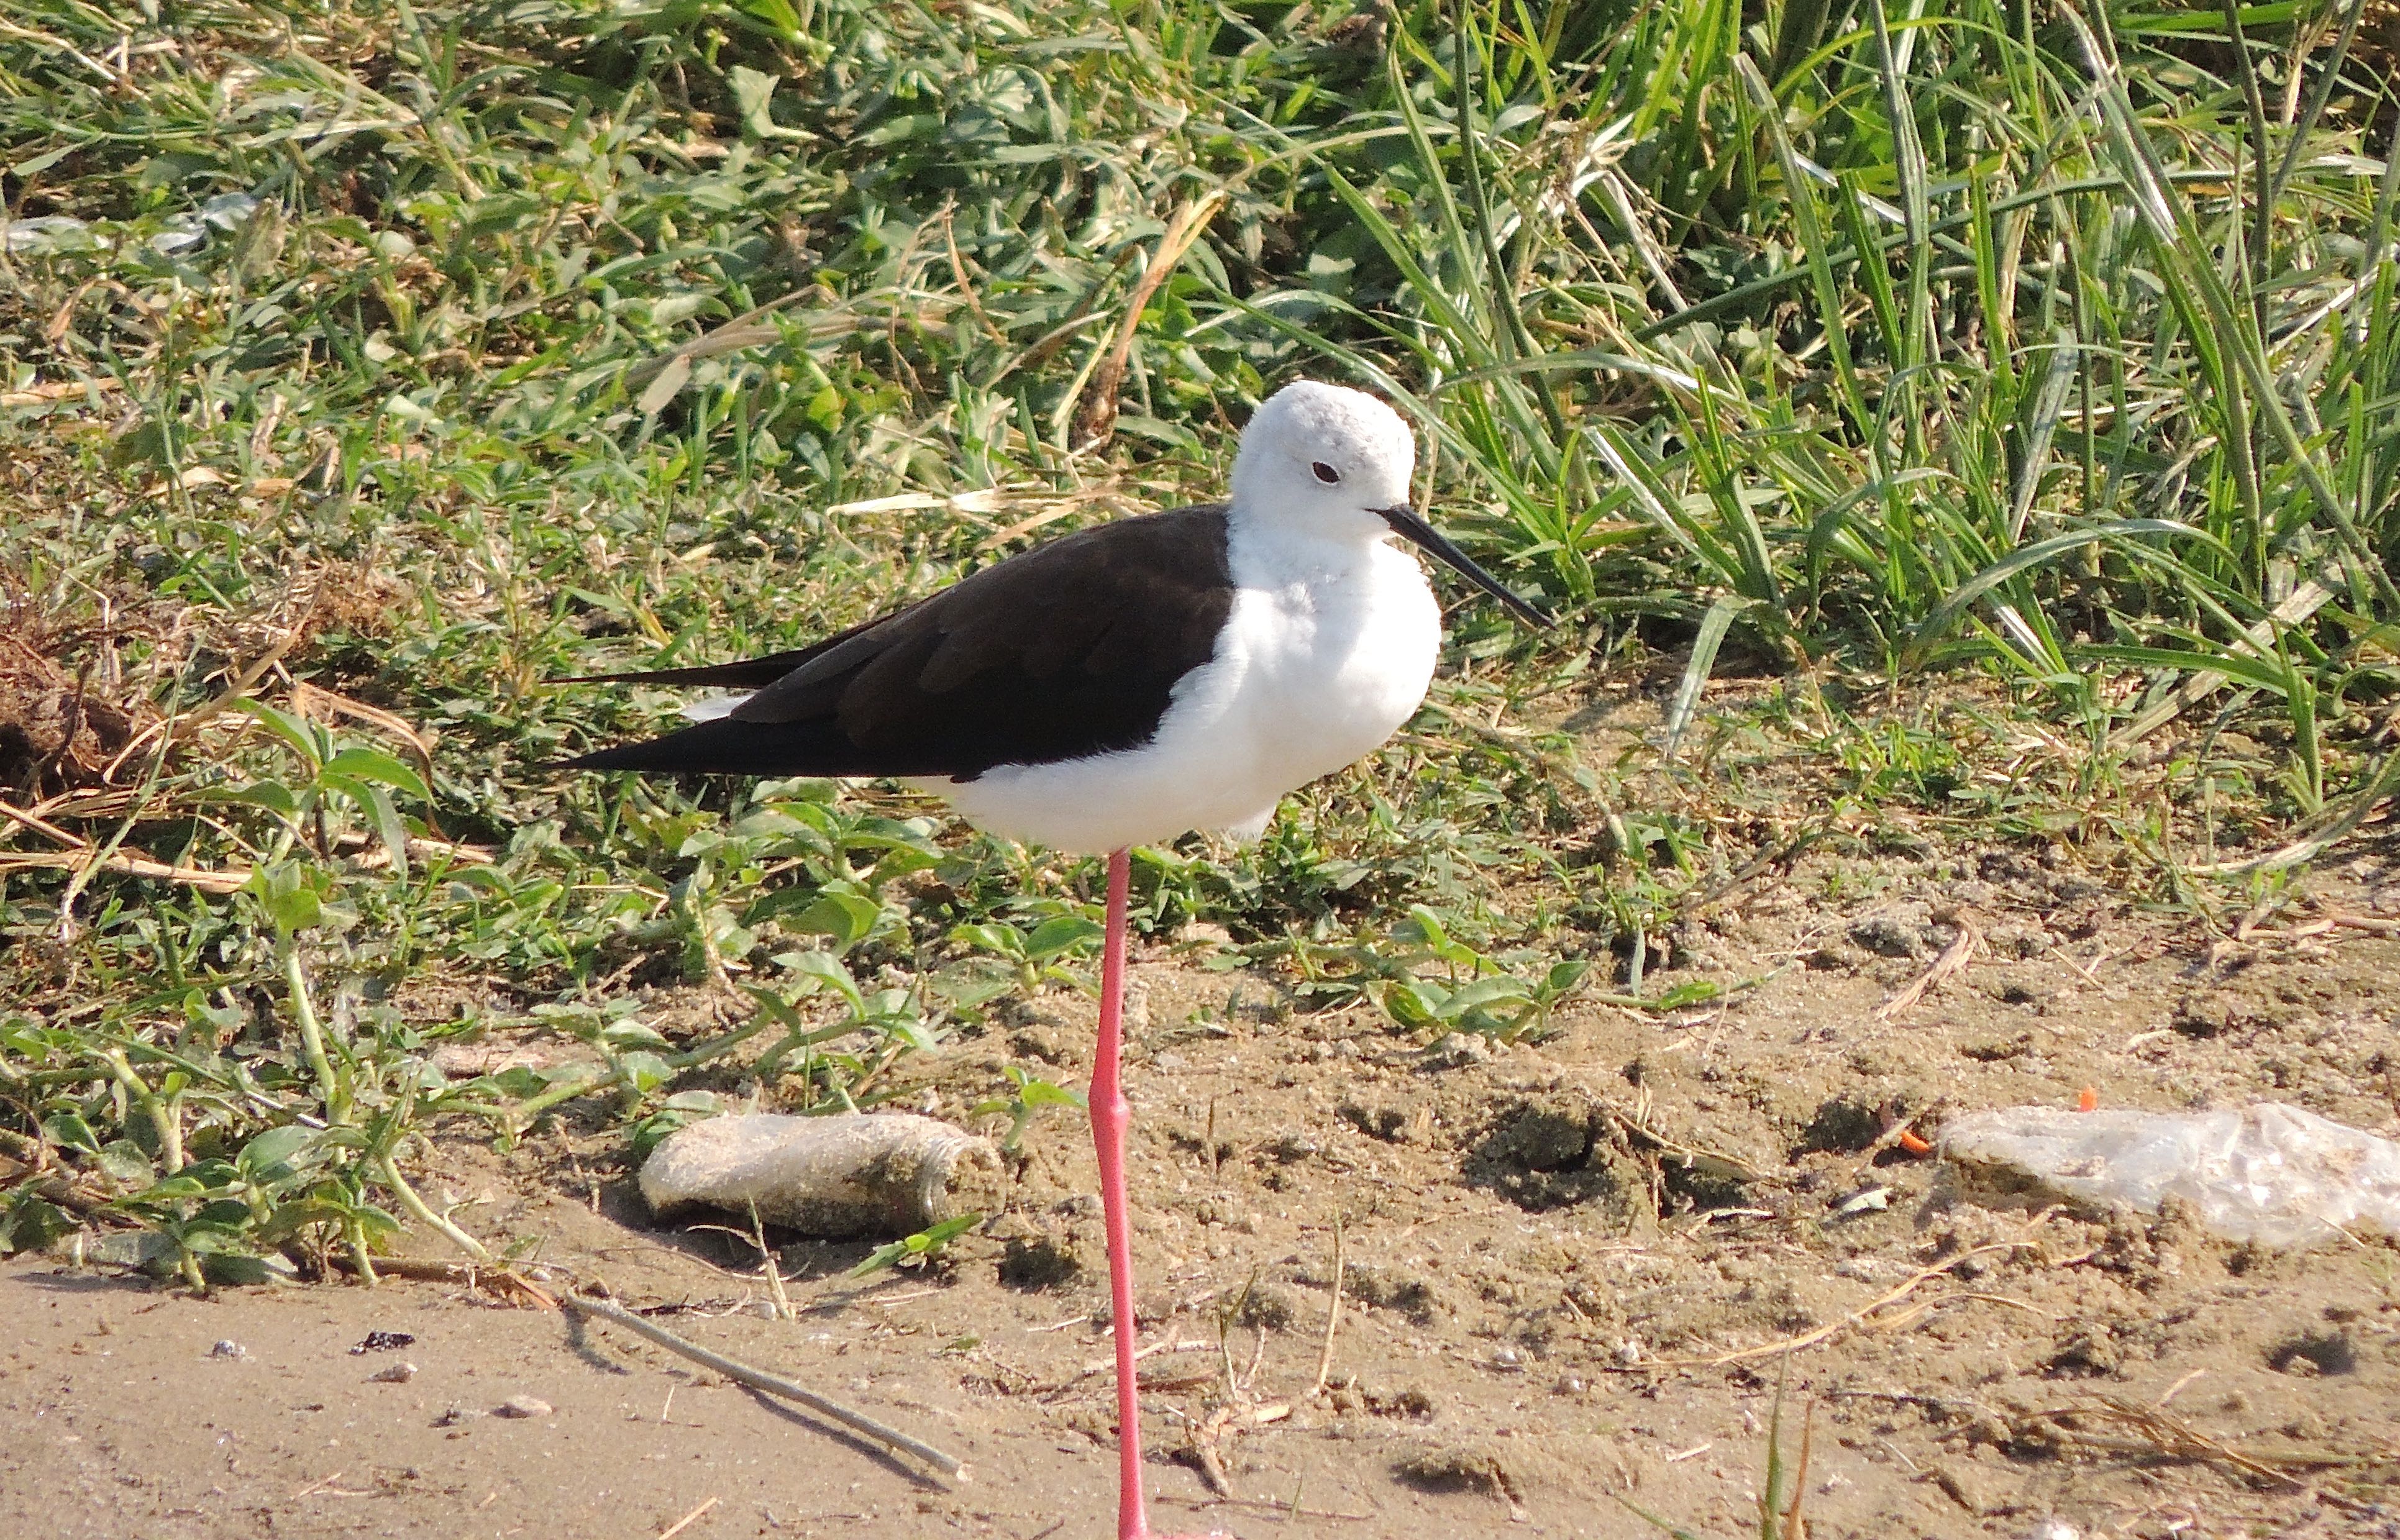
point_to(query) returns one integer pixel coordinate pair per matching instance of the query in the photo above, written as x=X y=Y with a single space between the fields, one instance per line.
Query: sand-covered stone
x=850 y=1177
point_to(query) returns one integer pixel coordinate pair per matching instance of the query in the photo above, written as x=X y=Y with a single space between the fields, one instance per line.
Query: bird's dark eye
x=1326 y=473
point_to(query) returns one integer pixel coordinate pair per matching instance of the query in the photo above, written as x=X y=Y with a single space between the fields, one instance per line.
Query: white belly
x=1315 y=669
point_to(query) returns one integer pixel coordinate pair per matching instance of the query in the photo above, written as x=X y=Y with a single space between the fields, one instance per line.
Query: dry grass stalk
x=687 y=1521
x=54 y=390
x=1954 y=958
x=1856 y=1317
x=230 y=880
x=1333 y=1311
x=318 y=703
x=757 y=1238
x=1281 y=1509
x=1794 y=1526
x=507 y=1282
x=2154 y=1432
x=1207 y=1453
x=1096 y=419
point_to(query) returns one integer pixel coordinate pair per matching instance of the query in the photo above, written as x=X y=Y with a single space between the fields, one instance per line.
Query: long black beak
x=1404 y=520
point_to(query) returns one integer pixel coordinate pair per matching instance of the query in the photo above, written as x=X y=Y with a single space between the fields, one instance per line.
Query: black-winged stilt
x=1122 y=685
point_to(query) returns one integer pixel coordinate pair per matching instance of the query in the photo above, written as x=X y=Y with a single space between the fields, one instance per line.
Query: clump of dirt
x=1037 y=1262
x=1552 y=1151
x=70 y=704
x=1476 y=1464
x=333 y=599
x=57 y=730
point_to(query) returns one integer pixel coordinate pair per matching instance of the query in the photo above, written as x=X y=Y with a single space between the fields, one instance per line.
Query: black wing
x=1072 y=648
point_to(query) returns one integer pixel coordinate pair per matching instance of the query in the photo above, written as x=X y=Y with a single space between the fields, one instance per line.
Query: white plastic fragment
x=2266 y=1173
x=46 y=235
x=853 y=1176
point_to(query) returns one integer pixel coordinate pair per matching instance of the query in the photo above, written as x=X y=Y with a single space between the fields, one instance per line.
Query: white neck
x=1280 y=551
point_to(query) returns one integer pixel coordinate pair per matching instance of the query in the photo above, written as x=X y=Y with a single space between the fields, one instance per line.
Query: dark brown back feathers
x=1069 y=650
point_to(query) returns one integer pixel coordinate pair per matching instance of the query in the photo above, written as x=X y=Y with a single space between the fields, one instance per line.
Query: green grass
x=363 y=370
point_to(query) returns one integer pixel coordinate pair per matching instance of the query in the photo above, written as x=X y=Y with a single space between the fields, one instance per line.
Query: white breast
x=1325 y=654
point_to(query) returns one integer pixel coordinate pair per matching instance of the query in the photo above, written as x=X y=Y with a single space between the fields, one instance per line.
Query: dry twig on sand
x=1332 y=1314
x=484 y=1274
x=1856 y=1317
x=773 y=1384
x=78 y=855
x=1954 y=958
x=2152 y=1431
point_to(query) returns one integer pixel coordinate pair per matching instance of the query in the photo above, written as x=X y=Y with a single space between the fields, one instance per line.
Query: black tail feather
x=747 y=674
x=731 y=746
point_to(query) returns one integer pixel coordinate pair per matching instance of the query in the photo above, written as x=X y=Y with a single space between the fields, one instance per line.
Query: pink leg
x=1110 y=1117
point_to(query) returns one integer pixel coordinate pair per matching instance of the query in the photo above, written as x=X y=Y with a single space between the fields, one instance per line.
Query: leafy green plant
x=1474 y=994
x=1027 y=1094
x=1037 y=953
x=680 y=1109
x=918 y=1251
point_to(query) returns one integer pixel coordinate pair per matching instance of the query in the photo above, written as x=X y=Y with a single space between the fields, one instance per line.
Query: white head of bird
x=1324 y=463
x=1324 y=460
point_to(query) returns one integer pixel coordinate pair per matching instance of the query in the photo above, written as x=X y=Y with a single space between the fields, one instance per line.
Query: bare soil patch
x=1567 y=1267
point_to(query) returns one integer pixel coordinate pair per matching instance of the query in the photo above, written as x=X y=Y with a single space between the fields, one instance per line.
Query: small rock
x=1455 y=1051
x=1293 y=1147
x=1836 y=957
x=1043 y=1042
x=1886 y=936
x=1865 y=1200
x=1388 y=1122
x=1268 y=1307
x=2021 y=990
x=227 y=1348
x=1962 y=1488
x=381 y=1342
x=523 y=1406
x=393 y=1374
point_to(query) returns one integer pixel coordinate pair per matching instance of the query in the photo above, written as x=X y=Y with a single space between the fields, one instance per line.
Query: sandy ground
x=1567 y=1268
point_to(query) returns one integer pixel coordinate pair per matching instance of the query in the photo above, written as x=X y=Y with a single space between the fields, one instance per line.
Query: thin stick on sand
x=685 y=1522
x=773 y=1384
x=1332 y=1314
